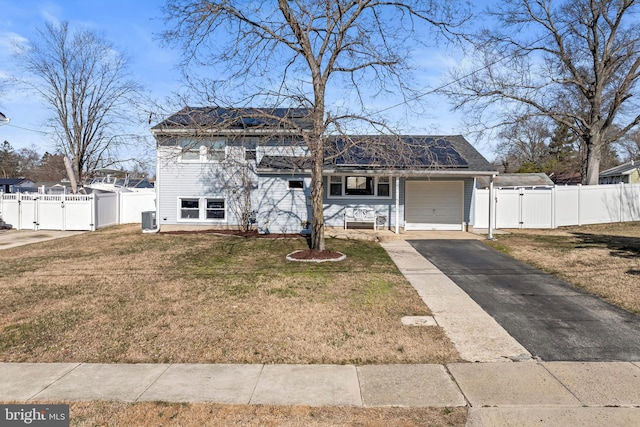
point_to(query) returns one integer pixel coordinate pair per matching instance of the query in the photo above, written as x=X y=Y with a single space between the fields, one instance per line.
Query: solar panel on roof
x=400 y=153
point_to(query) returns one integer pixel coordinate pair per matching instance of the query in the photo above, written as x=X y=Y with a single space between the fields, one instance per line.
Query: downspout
x=397 y=205
x=491 y=207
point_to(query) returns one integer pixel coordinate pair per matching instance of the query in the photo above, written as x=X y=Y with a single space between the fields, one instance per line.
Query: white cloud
x=50 y=12
x=11 y=43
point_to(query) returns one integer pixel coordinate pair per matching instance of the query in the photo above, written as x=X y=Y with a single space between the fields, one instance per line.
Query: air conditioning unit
x=149 y=221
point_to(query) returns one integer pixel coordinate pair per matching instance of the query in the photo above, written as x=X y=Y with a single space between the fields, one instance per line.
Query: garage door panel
x=434 y=205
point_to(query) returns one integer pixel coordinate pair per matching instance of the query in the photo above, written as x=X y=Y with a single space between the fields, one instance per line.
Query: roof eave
x=276 y=171
x=387 y=172
x=223 y=131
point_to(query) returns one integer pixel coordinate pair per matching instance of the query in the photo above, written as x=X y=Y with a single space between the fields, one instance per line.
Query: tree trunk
x=317 y=209
x=316 y=145
x=594 y=154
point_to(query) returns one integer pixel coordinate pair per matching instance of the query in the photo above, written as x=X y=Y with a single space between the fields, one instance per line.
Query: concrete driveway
x=552 y=320
x=12 y=238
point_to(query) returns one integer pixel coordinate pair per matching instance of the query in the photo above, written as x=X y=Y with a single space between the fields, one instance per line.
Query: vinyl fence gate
x=77 y=212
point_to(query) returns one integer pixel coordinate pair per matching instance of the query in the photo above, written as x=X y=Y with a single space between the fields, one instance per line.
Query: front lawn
x=602 y=259
x=118 y=295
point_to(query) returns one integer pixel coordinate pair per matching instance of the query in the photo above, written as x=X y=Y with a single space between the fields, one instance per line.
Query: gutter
x=393 y=172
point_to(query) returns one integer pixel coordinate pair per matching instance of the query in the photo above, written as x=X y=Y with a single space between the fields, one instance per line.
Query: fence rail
x=76 y=212
x=559 y=206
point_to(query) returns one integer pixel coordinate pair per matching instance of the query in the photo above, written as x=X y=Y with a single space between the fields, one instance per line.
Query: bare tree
x=630 y=146
x=290 y=53
x=84 y=81
x=525 y=144
x=576 y=62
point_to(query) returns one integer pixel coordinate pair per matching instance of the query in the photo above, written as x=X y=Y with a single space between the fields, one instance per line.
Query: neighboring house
x=224 y=168
x=14 y=185
x=566 y=178
x=54 y=187
x=517 y=180
x=627 y=173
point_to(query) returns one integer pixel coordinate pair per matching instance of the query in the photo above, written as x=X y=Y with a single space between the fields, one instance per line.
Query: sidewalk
x=497 y=393
x=508 y=388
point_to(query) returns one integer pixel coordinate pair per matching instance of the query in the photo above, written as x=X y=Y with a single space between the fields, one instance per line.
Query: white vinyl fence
x=23 y=211
x=559 y=206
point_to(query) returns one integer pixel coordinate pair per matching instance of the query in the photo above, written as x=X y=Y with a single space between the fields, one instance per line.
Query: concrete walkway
x=13 y=238
x=509 y=388
x=498 y=393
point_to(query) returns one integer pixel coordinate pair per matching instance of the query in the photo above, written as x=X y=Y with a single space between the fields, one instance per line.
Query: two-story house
x=223 y=168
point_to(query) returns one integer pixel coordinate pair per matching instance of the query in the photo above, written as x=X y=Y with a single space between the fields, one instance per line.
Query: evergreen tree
x=9 y=162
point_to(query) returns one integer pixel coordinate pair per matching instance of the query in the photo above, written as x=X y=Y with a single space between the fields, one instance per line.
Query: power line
x=27 y=129
x=530 y=45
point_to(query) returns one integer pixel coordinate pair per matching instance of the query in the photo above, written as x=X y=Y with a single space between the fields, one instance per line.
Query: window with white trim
x=216 y=150
x=384 y=186
x=296 y=184
x=202 y=209
x=335 y=185
x=190 y=154
x=359 y=186
x=249 y=144
x=202 y=151
x=215 y=208
x=189 y=208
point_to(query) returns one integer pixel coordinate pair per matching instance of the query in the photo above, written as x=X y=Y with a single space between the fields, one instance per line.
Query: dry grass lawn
x=602 y=259
x=197 y=415
x=118 y=295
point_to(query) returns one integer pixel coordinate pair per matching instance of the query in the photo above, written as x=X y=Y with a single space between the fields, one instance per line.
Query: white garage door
x=434 y=205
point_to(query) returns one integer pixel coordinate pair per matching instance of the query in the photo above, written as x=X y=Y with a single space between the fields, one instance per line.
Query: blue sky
x=133 y=27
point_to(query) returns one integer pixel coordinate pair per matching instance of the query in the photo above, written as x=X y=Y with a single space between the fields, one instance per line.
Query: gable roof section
x=401 y=154
x=623 y=169
x=288 y=164
x=205 y=118
x=14 y=181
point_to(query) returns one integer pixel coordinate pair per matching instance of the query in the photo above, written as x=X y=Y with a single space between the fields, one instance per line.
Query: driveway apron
x=551 y=319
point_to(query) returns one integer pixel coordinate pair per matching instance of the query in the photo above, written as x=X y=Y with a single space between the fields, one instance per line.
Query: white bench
x=360 y=215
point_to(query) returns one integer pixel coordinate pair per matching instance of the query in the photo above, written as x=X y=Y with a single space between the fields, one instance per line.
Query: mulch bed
x=315 y=255
x=253 y=234
x=303 y=255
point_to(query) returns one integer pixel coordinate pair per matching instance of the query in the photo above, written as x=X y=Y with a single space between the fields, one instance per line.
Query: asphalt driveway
x=551 y=319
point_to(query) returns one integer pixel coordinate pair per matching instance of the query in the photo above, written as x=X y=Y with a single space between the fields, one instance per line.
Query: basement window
x=296 y=184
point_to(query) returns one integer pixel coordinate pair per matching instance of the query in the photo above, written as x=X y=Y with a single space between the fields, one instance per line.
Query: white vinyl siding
x=202 y=181
x=434 y=205
x=282 y=209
